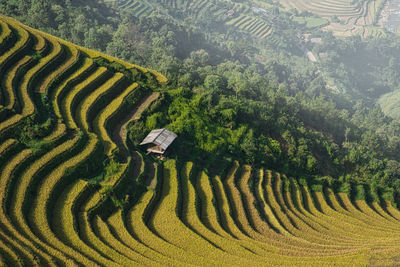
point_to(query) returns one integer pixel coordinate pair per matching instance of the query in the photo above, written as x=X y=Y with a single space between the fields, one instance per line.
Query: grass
x=6 y=145
x=43 y=69
x=311 y=22
x=6 y=221
x=248 y=200
x=101 y=120
x=93 y=201
x=113 y=174
x=138 y=229
x=236 y=254
x=229 y=224
x=87 y=103
x=41 y=203
x=270 y=198
x=346 y=217
x=118 y=228
x=223 y=204
x=209 y=215
x=8 y=254
x=20 y=196
x=88 y=236
x=73 y=56
x=41 y=42
x=56 y=96
x=237 y=205
x=66 y=225
x=5 y=31
x=10 y=82
x=104 y=233
x=170 y=227
x=295 y=202
x=67 y=101
x=58 y=131
x=25 y=255
x=265 y=207
x=23 y=38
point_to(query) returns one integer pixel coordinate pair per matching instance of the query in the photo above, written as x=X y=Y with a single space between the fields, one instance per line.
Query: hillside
x=236 y=15
x=346 y=17
x=74 y=192
x=258 y=18
x=390 y=104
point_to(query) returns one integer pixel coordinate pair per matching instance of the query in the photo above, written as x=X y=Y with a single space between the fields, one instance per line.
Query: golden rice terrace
x=52 y=216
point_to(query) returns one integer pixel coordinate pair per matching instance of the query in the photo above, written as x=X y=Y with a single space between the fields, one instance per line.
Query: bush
x=359 y=192
x=317 y=187
x=344 y=188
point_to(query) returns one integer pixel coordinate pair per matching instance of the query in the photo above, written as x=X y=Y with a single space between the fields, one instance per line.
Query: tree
x=238 y=83
x=214 y=83
x=98 y=38
x=39 y=14
x=249 y=147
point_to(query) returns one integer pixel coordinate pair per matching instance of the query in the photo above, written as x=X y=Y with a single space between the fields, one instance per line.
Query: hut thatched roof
x=160 y=137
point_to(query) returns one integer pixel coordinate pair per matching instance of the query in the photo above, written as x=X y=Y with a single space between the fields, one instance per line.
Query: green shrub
x=344 y=188
x=359 y=193
x=317 y=187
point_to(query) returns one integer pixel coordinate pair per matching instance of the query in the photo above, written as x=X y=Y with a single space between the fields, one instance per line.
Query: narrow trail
x=150 y=179
x=119 y=132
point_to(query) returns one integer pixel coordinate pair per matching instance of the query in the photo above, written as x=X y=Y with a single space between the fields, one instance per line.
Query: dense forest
x=232 y=96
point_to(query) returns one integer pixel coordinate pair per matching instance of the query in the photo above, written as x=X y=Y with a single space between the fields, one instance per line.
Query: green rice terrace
x=342 y=17
x=239 y=16
x=64 y=110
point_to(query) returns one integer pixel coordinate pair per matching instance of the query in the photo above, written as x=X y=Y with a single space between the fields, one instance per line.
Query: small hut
x=158 y=141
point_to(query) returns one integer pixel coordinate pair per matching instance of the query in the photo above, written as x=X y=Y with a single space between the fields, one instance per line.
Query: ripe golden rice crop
x=66 y=103
x=73 y=58
x=100 y=120
x=8 y=83
x=87 y=64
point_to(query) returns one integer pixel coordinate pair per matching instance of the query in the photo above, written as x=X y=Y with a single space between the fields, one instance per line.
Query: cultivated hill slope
x=356 y=17
x=237 y=15
x=60 y=119
x=342 y=17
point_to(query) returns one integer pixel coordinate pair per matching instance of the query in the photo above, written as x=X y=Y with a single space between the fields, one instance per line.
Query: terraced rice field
x=139 y=8
x=354 y=12
x=255 y=26
x=355 y=16
x=242 y=18
x=50 y=215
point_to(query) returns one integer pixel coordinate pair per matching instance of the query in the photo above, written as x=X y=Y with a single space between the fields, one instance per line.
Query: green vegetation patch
x=390 y=104
x=311 y=22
